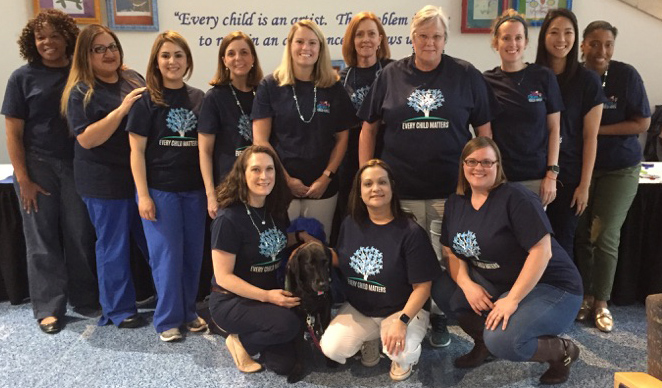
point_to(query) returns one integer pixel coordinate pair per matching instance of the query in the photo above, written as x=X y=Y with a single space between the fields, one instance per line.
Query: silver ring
x=398 y=343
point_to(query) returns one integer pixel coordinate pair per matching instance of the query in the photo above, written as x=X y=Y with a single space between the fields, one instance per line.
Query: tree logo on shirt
x=181 y=120
x=245 y=127
x=272 y=241
x=467 y=245
x=425 y=100
x=367 y=261
x=358 y=96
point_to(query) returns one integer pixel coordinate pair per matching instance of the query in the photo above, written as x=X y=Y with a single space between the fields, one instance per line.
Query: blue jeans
x=545 y=311
x=176 y=245
x=59 y=240
x=116 y=222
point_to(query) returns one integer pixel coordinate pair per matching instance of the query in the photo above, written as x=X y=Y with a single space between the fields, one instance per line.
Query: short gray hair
x=427 y=14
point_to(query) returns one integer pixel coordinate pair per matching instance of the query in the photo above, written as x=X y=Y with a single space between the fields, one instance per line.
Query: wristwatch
x=330 y=174
x=554 y=168
x=405 y=318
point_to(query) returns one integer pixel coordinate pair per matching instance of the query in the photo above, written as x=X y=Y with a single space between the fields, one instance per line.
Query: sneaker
x=399 y=373
x=370 y=353
x=197 y=325
x=439 y=335
x=171 y=335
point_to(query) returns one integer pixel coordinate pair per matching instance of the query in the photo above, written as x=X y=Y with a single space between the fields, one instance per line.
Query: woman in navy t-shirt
x=582 y=96
x=527 y=122
x=225 y=127
x=247 y=239
x=58 y=234
x=625 y=115
x=96 y=99
x=512 y=286
x=304 y=113
x=162 y=128
x=389 y=264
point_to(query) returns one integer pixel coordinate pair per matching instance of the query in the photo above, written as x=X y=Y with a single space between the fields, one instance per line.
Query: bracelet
x=547 y=176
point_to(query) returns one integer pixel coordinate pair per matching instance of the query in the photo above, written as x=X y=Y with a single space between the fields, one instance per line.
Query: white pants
x=320 y=209
x=350 y=329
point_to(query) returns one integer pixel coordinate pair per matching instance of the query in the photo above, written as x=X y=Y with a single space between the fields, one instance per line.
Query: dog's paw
x=331 y=364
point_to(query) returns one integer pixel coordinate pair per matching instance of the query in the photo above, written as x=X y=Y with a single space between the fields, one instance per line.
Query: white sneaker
x=370 y=353
x=171 y=335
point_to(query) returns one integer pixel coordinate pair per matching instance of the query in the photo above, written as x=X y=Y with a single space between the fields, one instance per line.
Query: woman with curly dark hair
x=247 y=240
x=59 y=237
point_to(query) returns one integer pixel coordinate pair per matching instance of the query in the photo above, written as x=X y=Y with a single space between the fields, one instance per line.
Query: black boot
x=473 y=325
x=560 y=353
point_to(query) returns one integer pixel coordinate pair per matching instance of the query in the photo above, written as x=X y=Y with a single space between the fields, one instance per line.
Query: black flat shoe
x=51 y=328
x=133 y=322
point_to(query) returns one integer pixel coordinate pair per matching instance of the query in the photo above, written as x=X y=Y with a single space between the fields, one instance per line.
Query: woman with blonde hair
x=303 y=112
x=98 y=95
x=225 y=128
x=171 y=201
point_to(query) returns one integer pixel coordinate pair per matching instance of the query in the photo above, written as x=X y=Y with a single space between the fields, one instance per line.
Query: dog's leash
x=310 y=322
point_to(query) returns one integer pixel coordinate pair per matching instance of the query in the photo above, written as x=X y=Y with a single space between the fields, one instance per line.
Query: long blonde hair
x=154 y=78
x=81 y=68
x=323 y=76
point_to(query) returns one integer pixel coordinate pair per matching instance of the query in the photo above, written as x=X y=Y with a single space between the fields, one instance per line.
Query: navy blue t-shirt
x=258 y=255
x=304 y=148
x=221 y=116
x=103 y=171
x=580 y=94
x=519 y=128
x=33 y=95
x=427 y=117
x=626 y=98
x=171 y=154
x=496 y=238
x=381 y=262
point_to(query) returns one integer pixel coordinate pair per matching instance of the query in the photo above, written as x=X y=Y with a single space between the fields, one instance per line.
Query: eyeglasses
x=101 y=49
x=485 y=163
x=423 y=38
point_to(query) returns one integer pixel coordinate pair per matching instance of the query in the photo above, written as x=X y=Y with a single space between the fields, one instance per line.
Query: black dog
x=308 y=277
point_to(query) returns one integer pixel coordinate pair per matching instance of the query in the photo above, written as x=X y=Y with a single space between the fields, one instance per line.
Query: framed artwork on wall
x=83 y=11
x=133 y=15
x=477 y=15
x=535 y=10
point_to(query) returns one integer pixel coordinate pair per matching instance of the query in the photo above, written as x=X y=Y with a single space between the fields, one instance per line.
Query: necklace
x=604 y=77
x=379 y=70
x=237 y=99
x=263 y=221
x=296 y=101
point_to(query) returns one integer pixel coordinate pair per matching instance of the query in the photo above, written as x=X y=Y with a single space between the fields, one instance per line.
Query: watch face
x=404 y=318
x=554 y=168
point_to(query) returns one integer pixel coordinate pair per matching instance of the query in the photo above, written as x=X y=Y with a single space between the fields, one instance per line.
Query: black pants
x=262 y=328
x=563 y=218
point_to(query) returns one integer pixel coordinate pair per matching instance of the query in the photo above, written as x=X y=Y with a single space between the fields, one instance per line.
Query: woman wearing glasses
x=96 y=100
x=512 y=286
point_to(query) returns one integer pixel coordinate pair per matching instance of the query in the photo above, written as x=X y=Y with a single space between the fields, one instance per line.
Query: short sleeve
x=637 y=100
x=14 y=104
x=422 y=264
x=527 y=218
x=210 y=116
x=371 y=108
x=262 y=107
x=76 y=112
x=224 y=235
x=481 y=112
x=593 y=93
x=554 y=101
x=139 y=118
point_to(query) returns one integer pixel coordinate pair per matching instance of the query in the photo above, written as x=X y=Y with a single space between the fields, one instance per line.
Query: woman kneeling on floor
x=513 y=288
x=389 y=264
x=247 y=237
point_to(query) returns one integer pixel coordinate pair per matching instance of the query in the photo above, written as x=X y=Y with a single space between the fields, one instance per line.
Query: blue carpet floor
x=85 y=355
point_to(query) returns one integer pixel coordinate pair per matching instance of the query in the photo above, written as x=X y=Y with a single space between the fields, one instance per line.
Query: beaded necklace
x=296 y=101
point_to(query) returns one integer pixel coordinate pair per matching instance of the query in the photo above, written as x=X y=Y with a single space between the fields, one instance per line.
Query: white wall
x=637 y=43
